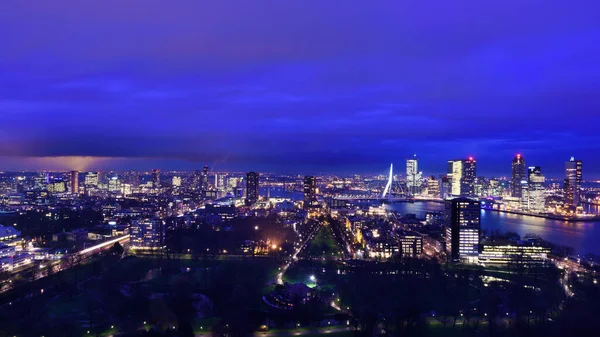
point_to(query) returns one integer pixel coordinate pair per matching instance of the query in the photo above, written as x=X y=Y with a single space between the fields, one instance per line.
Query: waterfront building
x=519 y=171
x=252 y=187
x=532 y=195
x=414 y=178
x=445 y=187
x=310 y=192
x=147 y=234
x=573 y=180
x=462 y=174
x=433 y=188
x=463 y=224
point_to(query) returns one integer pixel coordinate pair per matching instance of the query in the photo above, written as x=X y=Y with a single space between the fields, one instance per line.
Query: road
x=294 y=257
x=40 y=269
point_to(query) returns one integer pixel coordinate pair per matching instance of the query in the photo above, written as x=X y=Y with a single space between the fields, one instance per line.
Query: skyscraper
x=91 y=179
x=414 y=178
x=467 y=183
x=462 y=174
x=454 y=176
x=205 y=178
x=156 y=178
x=74 y=182
x=251 y=188
x=519 y=171
x=532 y=196
x=463 y=224
x=573 y=180
x=310 y=191
x=433 y=187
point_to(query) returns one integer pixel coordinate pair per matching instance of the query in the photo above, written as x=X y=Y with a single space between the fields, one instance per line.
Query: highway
x=40 y=268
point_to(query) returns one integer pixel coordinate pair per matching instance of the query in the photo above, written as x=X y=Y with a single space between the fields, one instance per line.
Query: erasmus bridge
x=392 y=192
x=390 y=186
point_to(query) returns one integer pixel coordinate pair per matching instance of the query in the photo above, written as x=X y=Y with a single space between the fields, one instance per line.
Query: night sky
x=299 y=86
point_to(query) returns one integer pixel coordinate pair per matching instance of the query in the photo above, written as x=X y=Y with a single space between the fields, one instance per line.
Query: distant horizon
x=179 y=84
x=142 y=165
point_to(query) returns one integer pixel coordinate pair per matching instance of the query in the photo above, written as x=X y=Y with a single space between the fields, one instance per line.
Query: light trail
x=104 y=244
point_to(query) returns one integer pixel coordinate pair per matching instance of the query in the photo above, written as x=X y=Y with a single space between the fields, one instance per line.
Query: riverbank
x=595 y=218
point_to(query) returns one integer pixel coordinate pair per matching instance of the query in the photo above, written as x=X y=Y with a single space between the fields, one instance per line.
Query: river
x=584 y=237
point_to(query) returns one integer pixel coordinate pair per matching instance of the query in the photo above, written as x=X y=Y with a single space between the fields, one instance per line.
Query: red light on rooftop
x=518 y=155
x=471 y=158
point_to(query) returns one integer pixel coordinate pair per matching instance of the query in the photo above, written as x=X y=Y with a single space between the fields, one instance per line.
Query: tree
x=117 y=249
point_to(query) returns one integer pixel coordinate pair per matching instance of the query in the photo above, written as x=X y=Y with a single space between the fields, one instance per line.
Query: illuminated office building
x=147 y=234
x=251 y=188
x=462 y=174
x=176 y=182
x=414 y=178
x=310 y=192
x=517 y=255
x=114 y=185
x=411 y=244
x=463 y=224
x=57 y=186
x=433 y=187
x=91 y=179
x=573 y=180
x=532 y=195
x=519 y=174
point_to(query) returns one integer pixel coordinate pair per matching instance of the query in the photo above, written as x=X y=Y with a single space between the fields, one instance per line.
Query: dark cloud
x=323 y=86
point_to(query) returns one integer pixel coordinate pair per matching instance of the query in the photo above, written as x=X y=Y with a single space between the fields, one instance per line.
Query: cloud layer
x=324 y=86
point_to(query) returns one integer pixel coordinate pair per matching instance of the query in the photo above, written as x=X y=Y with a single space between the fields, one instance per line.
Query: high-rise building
x=91 y=180
x=176 y=181
x=532 y=194
x=310 y=192
x=463 y=224
x=445 y=187
x=156 y=178
x=519 y=171
x=433 y=187
x=469 y=174
x=454 y=176
x=205 y=178
x=251 y=188
x=573 y=180
x=114 y=184
x=414 y=178
x=74 y=178
x=147 y=234
x=462 y=174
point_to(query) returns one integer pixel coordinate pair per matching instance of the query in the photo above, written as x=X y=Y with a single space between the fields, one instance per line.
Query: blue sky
x=297 y=86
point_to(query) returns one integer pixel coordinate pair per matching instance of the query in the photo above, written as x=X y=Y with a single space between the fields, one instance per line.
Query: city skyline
x=365 y=86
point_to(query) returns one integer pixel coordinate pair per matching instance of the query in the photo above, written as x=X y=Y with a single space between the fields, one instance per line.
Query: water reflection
x=583 y=236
